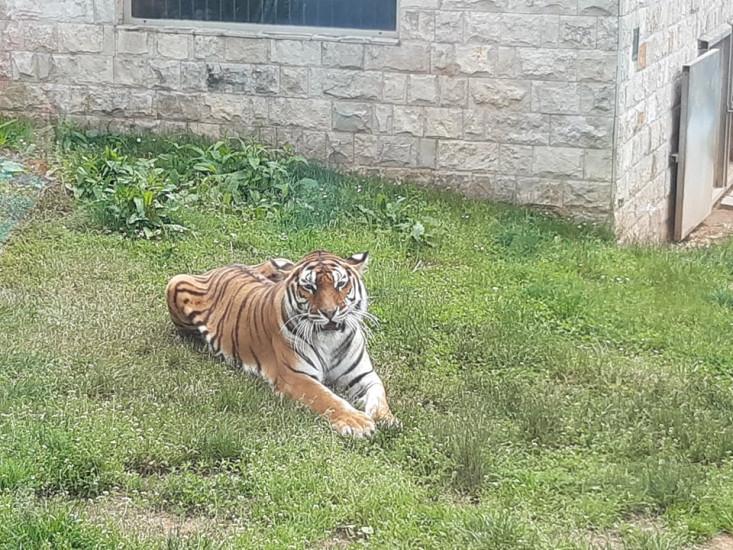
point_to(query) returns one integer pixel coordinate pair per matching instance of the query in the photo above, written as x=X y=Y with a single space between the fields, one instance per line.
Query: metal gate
x=705 y=155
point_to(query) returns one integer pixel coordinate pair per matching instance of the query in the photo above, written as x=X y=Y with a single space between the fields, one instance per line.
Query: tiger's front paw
x=354 y=423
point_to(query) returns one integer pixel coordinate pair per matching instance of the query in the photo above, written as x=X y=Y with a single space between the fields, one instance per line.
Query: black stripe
x=357 y=379
x=343 y=347
x=222 y=288
x=301 y=372
x=354 y=364
x=363 y=391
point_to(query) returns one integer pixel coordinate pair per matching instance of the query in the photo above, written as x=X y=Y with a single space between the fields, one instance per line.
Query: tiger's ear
x=359 y=261
x=282 y=264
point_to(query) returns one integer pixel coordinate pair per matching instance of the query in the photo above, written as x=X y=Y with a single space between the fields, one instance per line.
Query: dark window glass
x=349 y=14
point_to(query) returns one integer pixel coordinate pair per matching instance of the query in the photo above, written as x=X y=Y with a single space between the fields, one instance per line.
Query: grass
x=556 y=390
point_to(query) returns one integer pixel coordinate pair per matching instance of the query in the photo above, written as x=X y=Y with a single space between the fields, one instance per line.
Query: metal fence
x=351 y=14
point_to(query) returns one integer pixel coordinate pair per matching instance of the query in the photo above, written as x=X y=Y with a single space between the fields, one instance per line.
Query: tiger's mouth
x=332 y=326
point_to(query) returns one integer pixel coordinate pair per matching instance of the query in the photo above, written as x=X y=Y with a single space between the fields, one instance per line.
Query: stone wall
x=648 y=107
x=508 y=99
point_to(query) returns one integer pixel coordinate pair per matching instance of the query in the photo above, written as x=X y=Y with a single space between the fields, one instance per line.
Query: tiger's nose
x=329 y=313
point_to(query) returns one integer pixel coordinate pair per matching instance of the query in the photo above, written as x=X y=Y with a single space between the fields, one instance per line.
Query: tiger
x=300 y=326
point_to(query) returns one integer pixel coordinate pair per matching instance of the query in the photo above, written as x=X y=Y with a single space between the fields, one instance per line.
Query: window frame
x=261 y=29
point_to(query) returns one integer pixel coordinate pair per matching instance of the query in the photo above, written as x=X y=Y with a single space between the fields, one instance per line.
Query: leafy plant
x=130 y=195
x=399 y=216
x=14 y=134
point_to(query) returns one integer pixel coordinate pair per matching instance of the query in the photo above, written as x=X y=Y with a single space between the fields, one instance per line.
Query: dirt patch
x=719 y=542
x=716 y=228
x=127 y=516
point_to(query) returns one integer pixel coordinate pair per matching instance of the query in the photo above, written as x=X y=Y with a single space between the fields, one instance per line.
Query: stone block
x=383 y=117
x=231 y=108
x=417 y=25
x=6 y=67
x=555 y=97
x=174 y=46
x=598 y=7
x=351 y=117
x=408 y=120
x=581 y=196
x=194 y=76
x=81 y=38
x=453 y=91
x=22 y=96
x=474 y=5
x=397 y=151
x=295 y=52
x=147 y=72
x=607 y=33
x=342 y=55
x=29 y=36
x=68 y=100
x=546 y=64
x=345 y=84
x=294 y=81
x=426 y=153
x=423 y=90
x=474 y=124
x=449 y=26
x=339 y=148
x=598 y=165
x=577 y=32
x=132 y=42
x=442 y=122
x=94 y=69
x=507 y=95
x=412 y=57
x=507 y=29
x=582 y=131
x=597 y=99
x=177 y=106
x=558 y=162
x=245 y=50
x=120 y=102
x=23 y=65
x=395 y=87
x=305 y=113
x=253 y=79
x=496 y=187
x=561 y=7
x=518 y=128
x=472 y=60
x=468 y=155
x=515 y=159
x=596 y=66
x=540 y=192
x=208 y=47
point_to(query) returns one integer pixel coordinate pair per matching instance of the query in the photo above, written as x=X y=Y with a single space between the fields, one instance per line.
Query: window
x=374 y=15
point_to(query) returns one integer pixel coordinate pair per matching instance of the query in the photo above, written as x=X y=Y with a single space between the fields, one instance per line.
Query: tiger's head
x=327 y=291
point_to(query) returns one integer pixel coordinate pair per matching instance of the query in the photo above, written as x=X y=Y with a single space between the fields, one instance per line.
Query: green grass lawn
x=555 y=390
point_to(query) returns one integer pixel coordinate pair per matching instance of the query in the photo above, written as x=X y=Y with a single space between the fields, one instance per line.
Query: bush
x=132 y=196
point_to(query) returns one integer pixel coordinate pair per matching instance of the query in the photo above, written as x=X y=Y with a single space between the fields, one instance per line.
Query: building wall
x=649 y=104
x=508 y=99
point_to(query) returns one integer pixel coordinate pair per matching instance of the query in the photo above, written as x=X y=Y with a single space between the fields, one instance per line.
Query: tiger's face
x=328 y=291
